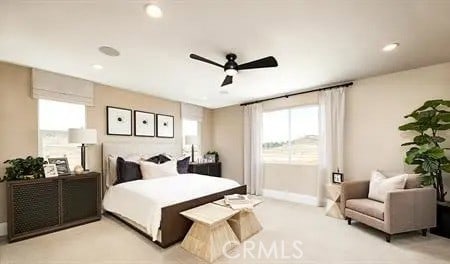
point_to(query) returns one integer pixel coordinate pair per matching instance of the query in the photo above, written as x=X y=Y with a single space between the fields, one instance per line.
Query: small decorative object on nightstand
x=334 y=201
x=337 y=177
x=210 y=168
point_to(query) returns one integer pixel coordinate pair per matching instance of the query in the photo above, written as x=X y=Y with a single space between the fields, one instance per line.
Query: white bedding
x=142 y=200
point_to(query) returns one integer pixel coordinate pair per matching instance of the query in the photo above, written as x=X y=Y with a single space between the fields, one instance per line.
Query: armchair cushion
x=380 y=185
x=367 y=207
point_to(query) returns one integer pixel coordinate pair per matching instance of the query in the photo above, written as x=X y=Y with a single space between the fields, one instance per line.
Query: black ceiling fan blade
x=196 y=57
x=261 y=63
x=228 y=80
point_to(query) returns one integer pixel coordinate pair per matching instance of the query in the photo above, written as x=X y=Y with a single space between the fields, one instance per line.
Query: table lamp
x=191 y=140
x=85 y=137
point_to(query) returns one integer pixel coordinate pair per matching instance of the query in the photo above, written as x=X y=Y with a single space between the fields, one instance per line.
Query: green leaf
x=408 y=143
x=427 y=180
x=419 y=170
x=435 y=153
x=430 y=103
x=430 y=165
x=446 y=168
x=443 y=127
x=415 y=126
x=445 y=117
x=446 y=103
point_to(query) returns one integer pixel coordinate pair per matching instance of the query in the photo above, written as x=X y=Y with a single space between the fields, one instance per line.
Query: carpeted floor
x=292 y=233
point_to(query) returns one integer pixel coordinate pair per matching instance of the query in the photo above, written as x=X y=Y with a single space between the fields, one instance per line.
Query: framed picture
x=210 y=158
x=118 y=121
x=144 y=124
x=62 y=165
x=337 y=177
x=50 y=170
x=164 y=126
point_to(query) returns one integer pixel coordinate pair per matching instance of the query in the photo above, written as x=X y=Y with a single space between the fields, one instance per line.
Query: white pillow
x=151 y=170
x=380 y=185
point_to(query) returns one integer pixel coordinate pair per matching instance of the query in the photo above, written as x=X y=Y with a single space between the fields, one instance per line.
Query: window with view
x=191 y=128
x=55 y=118
x=291 y=135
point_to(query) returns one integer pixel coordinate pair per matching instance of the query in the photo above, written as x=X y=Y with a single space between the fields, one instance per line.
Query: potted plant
x=430 y=121
x=22 y=169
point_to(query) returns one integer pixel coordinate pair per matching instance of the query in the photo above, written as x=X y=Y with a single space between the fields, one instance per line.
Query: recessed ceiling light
x=109 y=51
x=153 y=10
x=391 y=47
x=97 y=66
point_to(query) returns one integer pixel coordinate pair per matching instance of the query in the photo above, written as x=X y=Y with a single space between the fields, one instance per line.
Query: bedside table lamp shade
x=191 y=140
x=85 y=137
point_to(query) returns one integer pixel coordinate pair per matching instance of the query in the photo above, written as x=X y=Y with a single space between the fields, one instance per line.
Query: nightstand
x=333 y=208
x=210 y=169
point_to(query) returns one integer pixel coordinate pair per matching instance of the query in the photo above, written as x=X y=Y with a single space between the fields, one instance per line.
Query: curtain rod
x=347 y=84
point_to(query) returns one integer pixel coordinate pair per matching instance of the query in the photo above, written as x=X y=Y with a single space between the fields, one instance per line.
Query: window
x=191 y=128
x=291 y=135
x=55 y=118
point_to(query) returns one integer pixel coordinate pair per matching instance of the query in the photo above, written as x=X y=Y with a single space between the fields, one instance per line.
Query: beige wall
x=110 y=96
x=19 y=119
x=228 y=129
x=375 y=109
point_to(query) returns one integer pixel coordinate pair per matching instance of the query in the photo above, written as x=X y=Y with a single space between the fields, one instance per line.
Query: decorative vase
x=78 y=169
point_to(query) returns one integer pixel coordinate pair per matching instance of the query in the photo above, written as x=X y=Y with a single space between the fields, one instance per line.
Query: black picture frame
x=108 y=125
x=337 y=177
x=159 y=132
x=136 y=133
x=62 y=165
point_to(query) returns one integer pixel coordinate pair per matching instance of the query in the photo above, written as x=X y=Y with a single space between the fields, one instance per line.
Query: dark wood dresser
x=210 y=169
x=40 y=206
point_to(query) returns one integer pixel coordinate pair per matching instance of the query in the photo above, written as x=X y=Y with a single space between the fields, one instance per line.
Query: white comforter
x=142 y=200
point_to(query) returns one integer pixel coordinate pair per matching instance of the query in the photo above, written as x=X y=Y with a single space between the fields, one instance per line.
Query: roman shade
x=191 y=112
x=58 y=87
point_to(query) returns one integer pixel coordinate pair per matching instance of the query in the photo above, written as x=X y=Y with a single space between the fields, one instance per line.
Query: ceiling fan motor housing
x=231 y=66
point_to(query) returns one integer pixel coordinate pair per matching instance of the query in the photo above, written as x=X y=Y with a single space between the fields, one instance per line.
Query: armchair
x=403 y=211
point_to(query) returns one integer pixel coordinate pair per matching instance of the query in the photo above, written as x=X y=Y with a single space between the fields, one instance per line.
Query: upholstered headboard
x=124 y=149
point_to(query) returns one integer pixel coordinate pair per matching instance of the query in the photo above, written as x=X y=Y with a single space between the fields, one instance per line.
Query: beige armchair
x=403 y=211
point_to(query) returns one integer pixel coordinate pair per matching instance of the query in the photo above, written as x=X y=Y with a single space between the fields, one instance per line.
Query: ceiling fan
x=231 y=68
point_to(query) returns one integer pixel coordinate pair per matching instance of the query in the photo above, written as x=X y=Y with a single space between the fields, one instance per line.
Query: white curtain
x=331 y=140
x=253 y=165
x=63 y=88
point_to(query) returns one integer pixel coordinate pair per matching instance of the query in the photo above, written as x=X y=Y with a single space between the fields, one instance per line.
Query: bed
x=156 y=203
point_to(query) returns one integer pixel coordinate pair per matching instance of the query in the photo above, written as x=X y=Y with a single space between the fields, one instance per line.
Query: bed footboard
x=174 y=226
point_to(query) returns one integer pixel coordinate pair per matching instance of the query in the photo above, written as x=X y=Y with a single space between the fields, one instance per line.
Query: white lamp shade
x=81 y=135
x=191 y=140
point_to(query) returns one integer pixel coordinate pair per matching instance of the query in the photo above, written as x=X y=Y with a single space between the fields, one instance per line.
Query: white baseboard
x=3 y=229
x=291 y=197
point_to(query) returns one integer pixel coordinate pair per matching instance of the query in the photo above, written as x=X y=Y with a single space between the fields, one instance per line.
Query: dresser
x=40 y=206
x=210 y=169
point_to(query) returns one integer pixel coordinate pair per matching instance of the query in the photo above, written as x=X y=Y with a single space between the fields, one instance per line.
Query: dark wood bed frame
x=174 y=226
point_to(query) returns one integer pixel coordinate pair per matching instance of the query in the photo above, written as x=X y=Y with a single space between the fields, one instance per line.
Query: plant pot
x=443 y=220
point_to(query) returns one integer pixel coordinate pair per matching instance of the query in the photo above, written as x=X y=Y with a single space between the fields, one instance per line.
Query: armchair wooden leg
x=388 y=238
x=349 y=221
x=424 y=232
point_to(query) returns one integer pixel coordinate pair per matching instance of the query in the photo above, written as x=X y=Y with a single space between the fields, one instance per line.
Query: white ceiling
x=315 y=42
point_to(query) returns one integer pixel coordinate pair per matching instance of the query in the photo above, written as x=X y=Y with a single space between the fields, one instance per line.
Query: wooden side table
x=210 y=235
x=244 y=224
x=333 y=208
